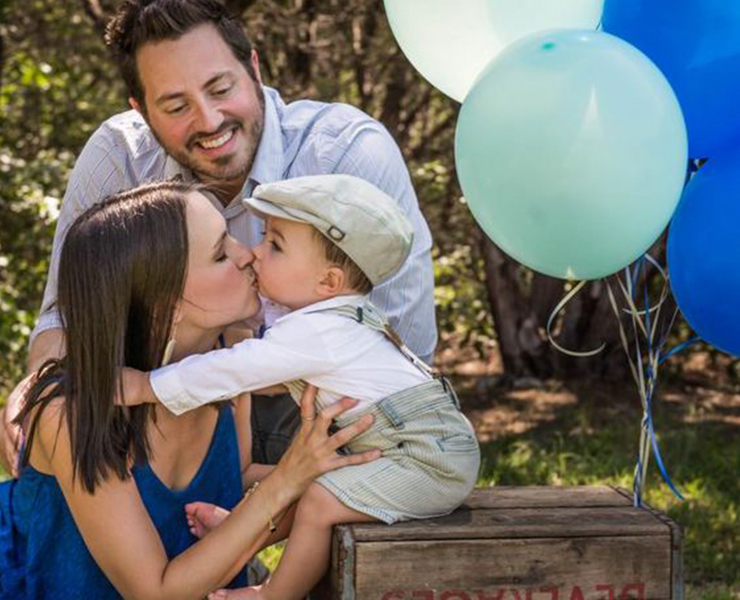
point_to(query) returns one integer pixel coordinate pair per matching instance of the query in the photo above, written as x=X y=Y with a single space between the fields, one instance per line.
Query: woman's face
x=220 y=285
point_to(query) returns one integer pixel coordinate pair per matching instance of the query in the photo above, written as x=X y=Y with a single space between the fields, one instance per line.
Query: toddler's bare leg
x=306 y=555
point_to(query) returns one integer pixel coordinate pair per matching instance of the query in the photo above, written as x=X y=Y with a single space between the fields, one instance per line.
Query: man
x=199 y=110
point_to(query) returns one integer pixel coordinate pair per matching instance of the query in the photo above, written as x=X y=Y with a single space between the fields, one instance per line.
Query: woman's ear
x=332 y=283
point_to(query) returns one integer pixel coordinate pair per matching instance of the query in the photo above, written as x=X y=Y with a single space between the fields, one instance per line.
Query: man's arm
x=364 y=148
x=47 y=344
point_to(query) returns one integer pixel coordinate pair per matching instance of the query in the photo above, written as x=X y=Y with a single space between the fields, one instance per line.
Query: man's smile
x=210 y=144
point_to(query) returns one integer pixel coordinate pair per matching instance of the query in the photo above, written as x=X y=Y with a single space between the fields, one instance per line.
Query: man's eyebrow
x=177 y=95
x=217 y=77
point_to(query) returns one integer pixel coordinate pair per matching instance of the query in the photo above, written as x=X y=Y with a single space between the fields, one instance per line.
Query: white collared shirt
x=333 y=352
x=301 y=138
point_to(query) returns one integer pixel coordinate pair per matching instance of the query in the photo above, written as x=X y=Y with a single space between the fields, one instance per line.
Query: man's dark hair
x=138 y=22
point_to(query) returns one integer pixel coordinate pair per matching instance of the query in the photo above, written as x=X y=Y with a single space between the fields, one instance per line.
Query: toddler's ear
x=332 y=282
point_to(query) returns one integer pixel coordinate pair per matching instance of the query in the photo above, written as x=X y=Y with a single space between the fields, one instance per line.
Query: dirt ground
x=706 y=388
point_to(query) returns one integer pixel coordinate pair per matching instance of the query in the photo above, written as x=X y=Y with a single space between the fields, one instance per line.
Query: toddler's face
x=290 y=263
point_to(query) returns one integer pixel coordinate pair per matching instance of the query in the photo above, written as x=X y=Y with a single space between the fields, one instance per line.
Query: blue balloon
x=696 y=43
x=704 y=253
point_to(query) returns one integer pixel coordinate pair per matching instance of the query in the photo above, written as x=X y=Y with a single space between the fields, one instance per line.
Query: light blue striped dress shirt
x=301 y=138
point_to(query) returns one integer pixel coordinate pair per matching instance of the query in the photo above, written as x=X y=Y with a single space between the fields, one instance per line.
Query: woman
x=98 y=509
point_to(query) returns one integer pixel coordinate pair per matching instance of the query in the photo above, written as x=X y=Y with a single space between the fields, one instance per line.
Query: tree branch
x=2 y=59
x=97 y=15
x=238 y=7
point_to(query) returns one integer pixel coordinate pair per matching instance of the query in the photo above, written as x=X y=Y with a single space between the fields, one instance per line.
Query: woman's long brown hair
x=121 y=272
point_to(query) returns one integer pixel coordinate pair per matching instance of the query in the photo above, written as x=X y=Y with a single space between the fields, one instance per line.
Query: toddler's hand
x=136 y=388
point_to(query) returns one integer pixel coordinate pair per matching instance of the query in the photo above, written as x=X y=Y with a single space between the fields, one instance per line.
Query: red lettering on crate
x=498 y=595
x=553 y=591
x=606 y=588
x=639 y=588
x=576 y=594
x=607 y=591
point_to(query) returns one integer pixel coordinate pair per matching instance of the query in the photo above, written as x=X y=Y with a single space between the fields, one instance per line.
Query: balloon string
x=561 y=305
x=645 y=370
x=632 y=277
x=680 y=348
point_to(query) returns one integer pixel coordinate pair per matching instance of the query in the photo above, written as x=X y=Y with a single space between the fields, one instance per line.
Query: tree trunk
x=521 y=303
x=97 y=15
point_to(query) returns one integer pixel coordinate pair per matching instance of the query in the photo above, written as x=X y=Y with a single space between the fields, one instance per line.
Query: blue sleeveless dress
x=43 y=555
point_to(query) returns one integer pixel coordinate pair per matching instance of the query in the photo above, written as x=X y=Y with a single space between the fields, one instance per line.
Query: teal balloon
x=451 y=41
x=571 y=151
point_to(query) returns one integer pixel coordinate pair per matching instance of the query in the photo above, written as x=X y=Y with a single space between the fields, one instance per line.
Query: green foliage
x=462 y=308
x=31 y=197
x=57 y=86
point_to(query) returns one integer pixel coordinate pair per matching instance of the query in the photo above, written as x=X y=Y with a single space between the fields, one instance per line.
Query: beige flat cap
x=363 y=221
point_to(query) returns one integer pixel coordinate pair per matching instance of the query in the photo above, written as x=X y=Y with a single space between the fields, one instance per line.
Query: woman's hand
x=313 y=451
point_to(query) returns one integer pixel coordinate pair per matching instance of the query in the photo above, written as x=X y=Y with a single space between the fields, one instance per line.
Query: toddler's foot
x=247 y=593
x=203 y=517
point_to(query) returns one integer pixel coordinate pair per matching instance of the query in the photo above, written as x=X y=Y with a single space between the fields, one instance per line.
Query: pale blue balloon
x=451 y=41
x=571 y=151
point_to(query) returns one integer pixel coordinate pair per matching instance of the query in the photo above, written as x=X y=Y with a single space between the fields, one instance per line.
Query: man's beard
x=218 y=169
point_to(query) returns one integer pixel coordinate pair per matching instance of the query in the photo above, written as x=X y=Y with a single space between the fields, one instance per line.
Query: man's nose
x=210 y=117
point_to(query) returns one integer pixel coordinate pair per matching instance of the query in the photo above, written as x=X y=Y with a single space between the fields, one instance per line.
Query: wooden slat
x=518 y=523
x=532 y=569
x=677 y=572
x=543 y=496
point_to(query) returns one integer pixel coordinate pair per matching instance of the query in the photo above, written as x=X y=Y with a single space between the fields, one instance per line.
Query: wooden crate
x=514 y=543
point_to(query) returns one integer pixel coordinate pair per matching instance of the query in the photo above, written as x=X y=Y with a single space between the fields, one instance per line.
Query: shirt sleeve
x=289 y=351
x=364 y=148
x=98 y=172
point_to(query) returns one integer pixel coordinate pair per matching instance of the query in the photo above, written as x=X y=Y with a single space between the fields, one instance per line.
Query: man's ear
x=255 y=60
x=332 y=283
x=135 y=105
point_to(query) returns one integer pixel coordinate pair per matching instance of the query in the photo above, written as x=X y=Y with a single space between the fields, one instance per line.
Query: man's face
x=202 y=105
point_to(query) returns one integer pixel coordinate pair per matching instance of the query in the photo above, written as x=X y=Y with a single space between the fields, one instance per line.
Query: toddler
x=329 y=239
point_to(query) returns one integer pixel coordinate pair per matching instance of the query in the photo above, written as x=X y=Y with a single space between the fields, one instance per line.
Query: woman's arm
x=121 y=537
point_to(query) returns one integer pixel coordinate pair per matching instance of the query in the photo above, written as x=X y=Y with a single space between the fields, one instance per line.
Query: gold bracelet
x=253 y=488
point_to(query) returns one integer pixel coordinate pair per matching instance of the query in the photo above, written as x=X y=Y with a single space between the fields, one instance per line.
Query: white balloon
x=450 y=41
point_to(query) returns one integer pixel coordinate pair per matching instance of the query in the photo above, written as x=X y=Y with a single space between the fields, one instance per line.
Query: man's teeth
x=218 y=142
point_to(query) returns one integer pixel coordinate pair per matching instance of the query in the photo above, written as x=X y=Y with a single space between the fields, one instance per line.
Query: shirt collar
x=268 y=162
x=352 y=300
